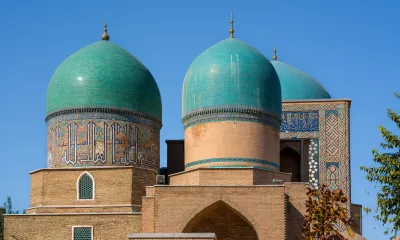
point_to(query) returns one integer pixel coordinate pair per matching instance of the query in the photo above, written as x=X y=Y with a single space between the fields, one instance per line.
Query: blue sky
x=351 y=47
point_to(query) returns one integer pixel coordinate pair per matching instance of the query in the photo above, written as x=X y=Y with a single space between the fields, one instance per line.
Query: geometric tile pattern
x=332 y=132
x=333 y=136
x=102 y=142
x=82 y=233
x=85 y=187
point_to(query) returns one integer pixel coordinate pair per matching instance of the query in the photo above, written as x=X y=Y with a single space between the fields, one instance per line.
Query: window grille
x=85 y=187
x=83 y=233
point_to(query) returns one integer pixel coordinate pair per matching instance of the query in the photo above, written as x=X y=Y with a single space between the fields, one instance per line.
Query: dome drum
x=231 y=108
x=103 y=109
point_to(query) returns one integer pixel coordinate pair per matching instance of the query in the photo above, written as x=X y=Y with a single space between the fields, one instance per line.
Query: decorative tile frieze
x=300 y=121
x=230 y=114
x=268 y=164
x=102 y=142
x=84 y=112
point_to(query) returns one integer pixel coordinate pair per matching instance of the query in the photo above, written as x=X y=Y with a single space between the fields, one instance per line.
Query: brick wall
x=296 y=209
x=227 y=177
x=51 y=227
x=116 y=189
x=173 y=236
x=262 y=207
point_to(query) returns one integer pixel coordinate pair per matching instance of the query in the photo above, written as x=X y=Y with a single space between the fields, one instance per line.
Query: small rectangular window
x=82 y=233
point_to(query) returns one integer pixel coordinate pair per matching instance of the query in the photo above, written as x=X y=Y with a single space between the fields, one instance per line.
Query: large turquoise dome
x=297 y=85
x=103 y=75
x=232 y=75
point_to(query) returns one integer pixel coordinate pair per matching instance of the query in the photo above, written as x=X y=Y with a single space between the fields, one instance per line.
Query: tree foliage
x=386 y=174
x=6 y=209
x=325 y=210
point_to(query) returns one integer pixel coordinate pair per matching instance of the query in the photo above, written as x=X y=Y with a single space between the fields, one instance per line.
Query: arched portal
x=224 y=221
x=290 y=163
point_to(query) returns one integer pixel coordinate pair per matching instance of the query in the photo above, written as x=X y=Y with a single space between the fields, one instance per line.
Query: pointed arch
x=85 y=186
x=223 y=220
x=290 y=163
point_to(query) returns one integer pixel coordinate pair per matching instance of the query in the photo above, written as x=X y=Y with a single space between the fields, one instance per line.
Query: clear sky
x=351 y=47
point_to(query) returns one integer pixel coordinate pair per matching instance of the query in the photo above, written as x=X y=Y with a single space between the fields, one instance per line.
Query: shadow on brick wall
x=294 y=222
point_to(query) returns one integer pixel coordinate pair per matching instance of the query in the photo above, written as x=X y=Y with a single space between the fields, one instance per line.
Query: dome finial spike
x=105 y=36
x=275 y=57
x=231 y=31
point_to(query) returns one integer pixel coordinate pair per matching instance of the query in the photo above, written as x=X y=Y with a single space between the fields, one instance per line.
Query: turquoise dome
x=103 y=75
x=298 y=85
x=231 y=74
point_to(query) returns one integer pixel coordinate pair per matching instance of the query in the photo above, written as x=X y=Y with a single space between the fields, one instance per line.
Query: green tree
x=386 y=174
x=6 y=209
x=326 y=209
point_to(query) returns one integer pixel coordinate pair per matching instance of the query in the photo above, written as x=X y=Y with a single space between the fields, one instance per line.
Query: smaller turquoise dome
x=297 y=85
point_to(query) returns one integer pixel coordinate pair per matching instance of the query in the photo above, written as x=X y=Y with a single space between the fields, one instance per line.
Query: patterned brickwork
x=332 y=135
x=102 y=142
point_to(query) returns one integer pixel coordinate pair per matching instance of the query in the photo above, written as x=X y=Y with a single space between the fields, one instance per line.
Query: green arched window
x=85 y=186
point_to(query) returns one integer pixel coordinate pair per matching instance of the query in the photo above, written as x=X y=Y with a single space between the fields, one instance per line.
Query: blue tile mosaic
x=300 y=121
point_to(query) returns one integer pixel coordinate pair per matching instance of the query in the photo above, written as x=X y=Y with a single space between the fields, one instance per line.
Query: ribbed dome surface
x=103 y=75
x=231 y=74
x=297 y=85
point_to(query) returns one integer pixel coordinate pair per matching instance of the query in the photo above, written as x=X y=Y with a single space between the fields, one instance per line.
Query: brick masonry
x=53 y=226
x=245 y=141
x=176 y=207
x=117 y=189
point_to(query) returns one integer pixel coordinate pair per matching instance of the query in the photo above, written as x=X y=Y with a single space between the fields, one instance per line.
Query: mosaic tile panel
x=306 y=121
x=100 y=142
x=313 y=162
x=332 y=175
x=333 y=135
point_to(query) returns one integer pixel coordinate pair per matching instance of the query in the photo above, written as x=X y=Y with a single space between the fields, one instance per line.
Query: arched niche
x=223 y=220
x=290 y=163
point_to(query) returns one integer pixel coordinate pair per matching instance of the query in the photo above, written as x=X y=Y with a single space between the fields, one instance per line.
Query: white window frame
x=82 y=226
x=77 y=187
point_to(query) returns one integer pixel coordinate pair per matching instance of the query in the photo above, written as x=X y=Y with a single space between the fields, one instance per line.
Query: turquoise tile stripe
x=103 y=75
x=231 y=74
x=296 y=84
x=232 y=160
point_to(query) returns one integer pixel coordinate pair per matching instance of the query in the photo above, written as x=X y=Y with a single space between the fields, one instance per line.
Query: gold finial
x=105 y=35
x=231 y=31
x=275 y=57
